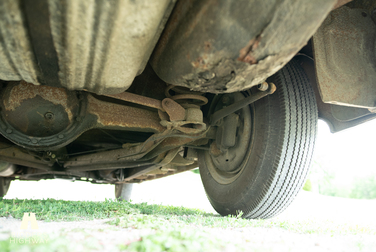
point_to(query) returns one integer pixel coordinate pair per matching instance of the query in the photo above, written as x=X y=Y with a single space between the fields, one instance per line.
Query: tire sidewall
x=267 y=123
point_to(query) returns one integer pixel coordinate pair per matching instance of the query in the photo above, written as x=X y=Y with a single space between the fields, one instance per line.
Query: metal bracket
x=242 y=103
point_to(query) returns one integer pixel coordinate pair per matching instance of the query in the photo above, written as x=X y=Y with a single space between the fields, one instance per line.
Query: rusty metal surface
x=47 y=118
x=40 y=117
x=99 y=46
x=344 y=57
x=227 y=46
x=31 y=173
x=173 y=141
x=110 y=115
x=180 y=111
x=132 y=155
x=23 y=91
x=170 y=155
x=43 y=117
x=142 y=155
x=173 y=109
x=185 y=96
x=139 y=99
x=166 y=157
x=126 y=155
x=119 y=158
x=247 y=52
x=147 y=177
x=15 y=155
x=112 y=166
x=198 y=100
x=179 y=90
x=193 y=123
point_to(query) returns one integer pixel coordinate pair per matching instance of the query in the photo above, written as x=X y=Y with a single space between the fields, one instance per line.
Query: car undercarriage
x=128 y=91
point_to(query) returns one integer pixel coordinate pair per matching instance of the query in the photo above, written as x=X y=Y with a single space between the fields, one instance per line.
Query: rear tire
x=262 y=178
x=123 y=191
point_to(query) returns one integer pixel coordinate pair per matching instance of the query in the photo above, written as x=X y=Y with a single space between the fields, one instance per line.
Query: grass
x=140 y=221
x=170 y=228
x=177 y=239
x=126 y=214
x=60 y=210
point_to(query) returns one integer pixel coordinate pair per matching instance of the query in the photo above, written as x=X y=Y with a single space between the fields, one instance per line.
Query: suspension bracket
x=242 y=103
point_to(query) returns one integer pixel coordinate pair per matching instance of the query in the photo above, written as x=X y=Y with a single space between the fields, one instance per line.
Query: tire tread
x=286 y=180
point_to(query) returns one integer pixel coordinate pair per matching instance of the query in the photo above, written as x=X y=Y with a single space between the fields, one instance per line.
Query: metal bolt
x=49 y=116
x=9 y=131
x=34 y=141
x=61 y=136
x=263 y=86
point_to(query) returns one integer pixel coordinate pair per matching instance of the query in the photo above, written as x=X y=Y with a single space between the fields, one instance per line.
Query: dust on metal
x=180 y=90
x=192 y=124
x=24 y=91
x=191 y=99
x=240 y=104
x=138 y=99
x=114 y=115
x=183 y=95
x=173 y=109
x=344 y=60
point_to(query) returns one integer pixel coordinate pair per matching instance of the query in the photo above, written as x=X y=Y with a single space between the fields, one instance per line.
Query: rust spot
x=199 y=63
x=175 y=142
x=173 y=109
x=250 y=59
x=24 y=91
x=214 y=150
x=138 y=99
x=246 y=53
x=114 y=115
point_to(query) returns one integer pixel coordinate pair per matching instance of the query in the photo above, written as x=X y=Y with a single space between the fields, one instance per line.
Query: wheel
x=4 y=186
x=123 y=191
x=258 y=163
